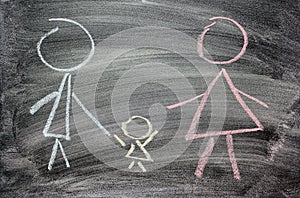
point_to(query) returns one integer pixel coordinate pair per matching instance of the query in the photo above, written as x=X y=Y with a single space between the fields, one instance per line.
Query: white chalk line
x=55 y=30
x=68 y=109
x=42 y=102
x=52 y=113
x=54 y=152
x=90 y=115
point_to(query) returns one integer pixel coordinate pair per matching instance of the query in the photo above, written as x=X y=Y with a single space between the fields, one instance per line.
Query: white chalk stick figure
x=57 y=95
x=149 y=135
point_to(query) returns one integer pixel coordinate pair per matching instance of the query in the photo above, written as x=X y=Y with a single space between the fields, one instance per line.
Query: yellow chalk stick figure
x=149 y=135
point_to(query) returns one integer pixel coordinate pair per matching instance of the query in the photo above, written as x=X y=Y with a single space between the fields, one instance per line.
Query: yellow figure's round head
x=124 y=128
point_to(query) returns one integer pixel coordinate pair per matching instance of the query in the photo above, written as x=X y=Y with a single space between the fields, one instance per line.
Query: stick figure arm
x=254 y=99
x=43 y=101
x=184 y=102
x=149 y=139
x=204 y=95
x=119 y=140
x=90 y=115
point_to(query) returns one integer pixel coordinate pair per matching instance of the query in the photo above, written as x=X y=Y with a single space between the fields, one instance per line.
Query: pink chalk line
x=235 y=169
x=184 y=102
x=207 y=28
x=204 y=158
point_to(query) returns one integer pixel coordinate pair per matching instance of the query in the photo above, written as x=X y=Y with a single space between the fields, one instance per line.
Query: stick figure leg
x=204 y=158
x=53 y=155
x=131 y=165
x=235 y=169
x=141 y=166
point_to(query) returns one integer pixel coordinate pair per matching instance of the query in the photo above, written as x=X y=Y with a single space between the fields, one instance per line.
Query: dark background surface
x=270 y=71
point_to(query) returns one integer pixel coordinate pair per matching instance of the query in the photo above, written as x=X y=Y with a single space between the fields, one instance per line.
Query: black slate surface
x=268 y=160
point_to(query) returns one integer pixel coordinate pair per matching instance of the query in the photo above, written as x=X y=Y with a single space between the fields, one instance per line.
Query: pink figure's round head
x=206 y=29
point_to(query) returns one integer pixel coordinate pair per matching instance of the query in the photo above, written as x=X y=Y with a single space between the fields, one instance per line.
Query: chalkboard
x=141 y=98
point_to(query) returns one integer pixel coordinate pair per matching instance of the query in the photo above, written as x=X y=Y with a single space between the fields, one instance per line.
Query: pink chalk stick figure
x=191 y=134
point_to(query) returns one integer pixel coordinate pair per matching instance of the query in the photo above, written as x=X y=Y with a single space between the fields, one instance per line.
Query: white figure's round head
x=39 y=44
